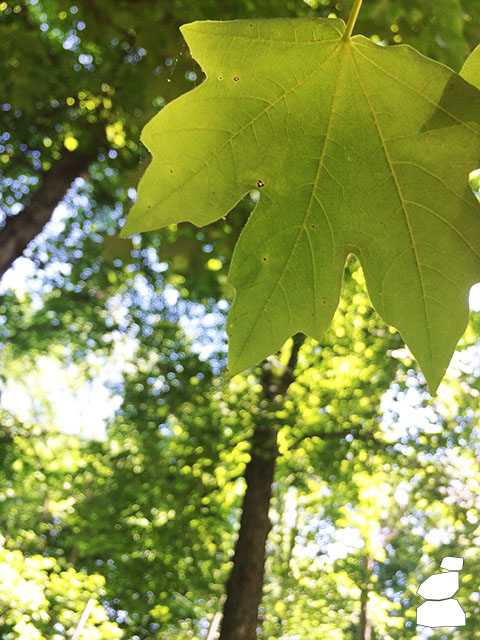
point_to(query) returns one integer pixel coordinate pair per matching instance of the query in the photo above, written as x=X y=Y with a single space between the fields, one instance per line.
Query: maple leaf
x=471 y=68
x=355 y=148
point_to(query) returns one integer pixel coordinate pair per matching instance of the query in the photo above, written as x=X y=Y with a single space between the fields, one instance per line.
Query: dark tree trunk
x=22 y=228
x=245 y=585
x=365 y=624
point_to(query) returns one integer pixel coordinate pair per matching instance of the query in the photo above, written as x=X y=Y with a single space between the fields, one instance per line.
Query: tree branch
x=21 y=229
x=102 y=19
x=274 y=387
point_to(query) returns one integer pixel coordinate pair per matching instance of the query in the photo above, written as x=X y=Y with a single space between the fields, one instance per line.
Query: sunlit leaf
x=355 y=148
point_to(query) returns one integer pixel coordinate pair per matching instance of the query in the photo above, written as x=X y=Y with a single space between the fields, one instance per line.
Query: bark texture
x=245 y=585
x=365 y=624
x=21 y=229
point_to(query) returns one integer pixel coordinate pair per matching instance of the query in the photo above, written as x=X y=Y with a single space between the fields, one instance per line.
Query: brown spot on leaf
x=260 y=184
x=171 y=170
x=236 y=79
x=324 y=301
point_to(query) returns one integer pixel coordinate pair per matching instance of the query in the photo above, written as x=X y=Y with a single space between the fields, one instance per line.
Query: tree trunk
x=365 y=624
x=245 y=585
x=22 y=228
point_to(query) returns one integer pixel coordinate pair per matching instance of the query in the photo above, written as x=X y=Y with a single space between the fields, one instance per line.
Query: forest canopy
x=306 y=497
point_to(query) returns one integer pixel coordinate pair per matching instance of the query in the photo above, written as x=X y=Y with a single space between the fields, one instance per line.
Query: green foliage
x=351 y=154
x=145 y=520
x=39 y=601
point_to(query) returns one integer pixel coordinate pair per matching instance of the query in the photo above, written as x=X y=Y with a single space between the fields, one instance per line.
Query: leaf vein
x=405 y=84
x=402 y=200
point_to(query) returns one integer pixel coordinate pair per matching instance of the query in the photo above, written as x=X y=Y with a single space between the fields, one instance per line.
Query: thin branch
x=279 y=386
x=100 y=17
x=289 y=374
x=213 y=630
x=83 y=620
x=20 y=229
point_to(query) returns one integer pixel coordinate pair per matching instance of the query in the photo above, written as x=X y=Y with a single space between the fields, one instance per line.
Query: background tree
x=155 y=507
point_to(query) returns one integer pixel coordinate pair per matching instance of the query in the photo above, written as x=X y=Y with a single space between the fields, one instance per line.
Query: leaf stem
x=352 y=18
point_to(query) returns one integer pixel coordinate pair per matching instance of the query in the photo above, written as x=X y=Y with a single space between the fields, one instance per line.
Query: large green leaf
x=355 y=148
x=471 y=68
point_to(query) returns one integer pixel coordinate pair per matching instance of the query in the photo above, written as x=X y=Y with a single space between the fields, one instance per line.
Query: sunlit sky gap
x=85 y=409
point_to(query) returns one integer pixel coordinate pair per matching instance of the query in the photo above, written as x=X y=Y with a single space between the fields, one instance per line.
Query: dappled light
x=145 y=494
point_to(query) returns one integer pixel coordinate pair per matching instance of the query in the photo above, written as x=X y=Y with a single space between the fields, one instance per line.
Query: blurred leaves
x=143 y=515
